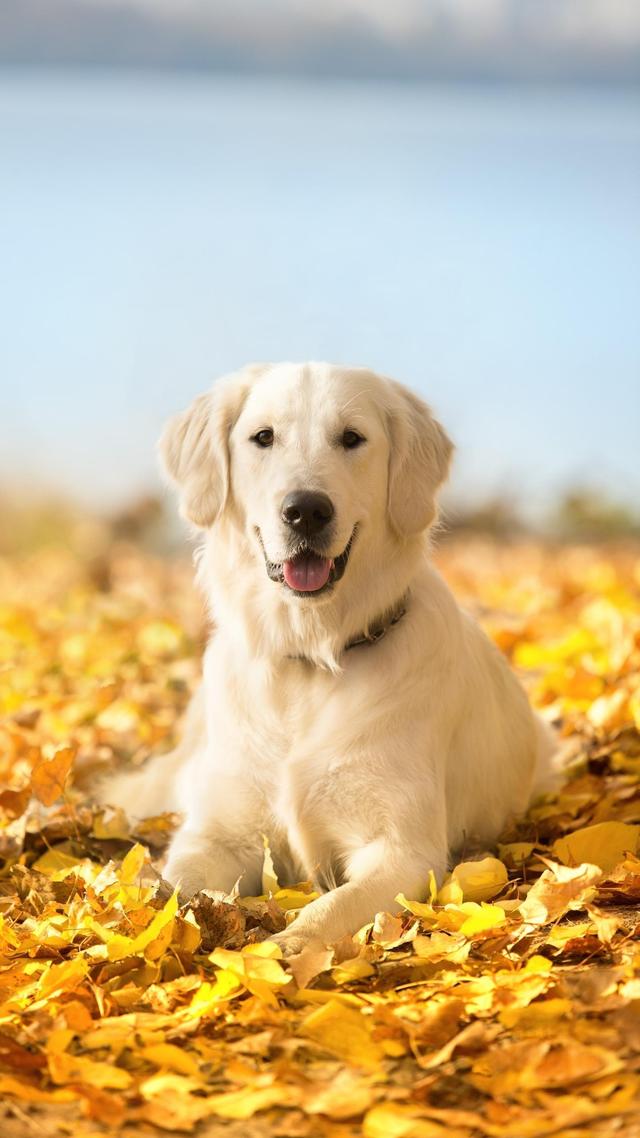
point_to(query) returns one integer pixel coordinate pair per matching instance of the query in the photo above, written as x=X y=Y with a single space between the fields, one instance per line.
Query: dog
x=349 y=710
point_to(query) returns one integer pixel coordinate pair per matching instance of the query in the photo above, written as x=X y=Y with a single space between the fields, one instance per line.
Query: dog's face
x=309 y=457
x=316 y=464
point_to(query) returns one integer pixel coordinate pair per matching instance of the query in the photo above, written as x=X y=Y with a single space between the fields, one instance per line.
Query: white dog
x=348 y=710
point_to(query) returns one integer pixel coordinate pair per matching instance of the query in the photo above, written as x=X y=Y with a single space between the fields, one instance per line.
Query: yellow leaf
x=113 y=1033
x=289 y=899
x=604 y=844
x=450 y=892
x=187 y=935
x=59 y=1039
x=267 y=948
x=111 y=823
x=345 y=1033
x=247 y=1101
x=560 y=934
x=442 y=946
x=152 y=941
x=515 y=853
x=395 y=1120
x=208 y=998
x=55 y=860
x=29 y=1092
x=539 y=1014
x=256 y=967
x=50 y=775
x=478 y=880
x=172 y=1058
x=62 y=977
x=358 y=968
x=481 y=917
x=133 y=864
x=421 y=909
x=65 y=1068
x=537 y=963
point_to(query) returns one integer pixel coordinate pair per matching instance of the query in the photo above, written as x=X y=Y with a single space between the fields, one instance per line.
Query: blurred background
x=445 y=190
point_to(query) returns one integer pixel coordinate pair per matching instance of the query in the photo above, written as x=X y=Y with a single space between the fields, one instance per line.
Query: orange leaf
x=15 y=802
x=49 y=777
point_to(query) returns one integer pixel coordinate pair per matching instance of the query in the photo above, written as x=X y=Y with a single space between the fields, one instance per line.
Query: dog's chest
x=288 y=723
x=290 y=708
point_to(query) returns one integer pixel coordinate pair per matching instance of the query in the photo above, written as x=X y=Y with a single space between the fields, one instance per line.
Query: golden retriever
x=348 y=709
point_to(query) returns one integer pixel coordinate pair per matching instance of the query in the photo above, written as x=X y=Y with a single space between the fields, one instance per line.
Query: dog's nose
x=306 y=511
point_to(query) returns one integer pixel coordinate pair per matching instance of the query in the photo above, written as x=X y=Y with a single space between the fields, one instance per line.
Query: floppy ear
x=194 y=449
x=419 y=463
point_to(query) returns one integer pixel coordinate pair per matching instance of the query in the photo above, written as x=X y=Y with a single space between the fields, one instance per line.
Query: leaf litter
x=505 y=1004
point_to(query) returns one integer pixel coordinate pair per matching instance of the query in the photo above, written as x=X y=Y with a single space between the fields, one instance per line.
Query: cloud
x=529 y=39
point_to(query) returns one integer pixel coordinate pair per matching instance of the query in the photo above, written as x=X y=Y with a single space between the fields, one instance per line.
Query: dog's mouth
x=307 y=572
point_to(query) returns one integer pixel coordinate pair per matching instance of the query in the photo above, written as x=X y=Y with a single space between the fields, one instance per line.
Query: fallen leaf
x=476 y=880
x=556 y=890
x=604 y=844
x=64 y=1068
x=343 y=1032
x=49 y=776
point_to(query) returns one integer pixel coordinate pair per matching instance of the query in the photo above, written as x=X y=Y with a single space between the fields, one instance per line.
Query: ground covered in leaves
x=507 y=1004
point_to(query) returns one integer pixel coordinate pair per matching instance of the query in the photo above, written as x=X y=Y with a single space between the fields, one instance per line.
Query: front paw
x=188 y=873
x=293 y=943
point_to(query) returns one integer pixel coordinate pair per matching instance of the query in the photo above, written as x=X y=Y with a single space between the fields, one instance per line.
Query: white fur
x=364 y=767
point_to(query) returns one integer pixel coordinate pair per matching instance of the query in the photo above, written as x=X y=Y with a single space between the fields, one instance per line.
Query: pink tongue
x=307 y=574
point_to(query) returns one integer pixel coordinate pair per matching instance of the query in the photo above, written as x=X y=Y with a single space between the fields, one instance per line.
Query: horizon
x=480 y=244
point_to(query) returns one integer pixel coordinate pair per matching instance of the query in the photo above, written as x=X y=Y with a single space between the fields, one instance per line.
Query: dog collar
x=381 y=628
x=377 y=631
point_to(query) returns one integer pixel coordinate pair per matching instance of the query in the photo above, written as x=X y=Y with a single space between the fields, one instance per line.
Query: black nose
x=307 y=512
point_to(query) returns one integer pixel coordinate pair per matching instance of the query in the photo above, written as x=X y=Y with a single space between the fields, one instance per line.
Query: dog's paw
x=293 y=943
x=187 y=873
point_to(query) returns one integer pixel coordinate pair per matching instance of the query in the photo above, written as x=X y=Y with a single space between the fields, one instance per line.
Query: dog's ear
x=194 y=449
x=419 y=462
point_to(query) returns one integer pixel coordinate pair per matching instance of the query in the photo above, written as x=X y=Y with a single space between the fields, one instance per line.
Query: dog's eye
x=263 y=438
x=351 y=440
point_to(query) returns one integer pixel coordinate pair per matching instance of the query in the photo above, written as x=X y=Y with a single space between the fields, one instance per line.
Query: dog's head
x=318 y=466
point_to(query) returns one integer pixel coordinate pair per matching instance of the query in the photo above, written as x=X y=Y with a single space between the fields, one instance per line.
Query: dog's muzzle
x=307 y=572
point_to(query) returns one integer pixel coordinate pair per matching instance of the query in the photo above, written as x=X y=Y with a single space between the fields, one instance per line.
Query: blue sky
x=481 y=244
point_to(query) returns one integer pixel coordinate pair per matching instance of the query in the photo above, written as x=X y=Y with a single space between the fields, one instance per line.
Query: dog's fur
x=364 y=766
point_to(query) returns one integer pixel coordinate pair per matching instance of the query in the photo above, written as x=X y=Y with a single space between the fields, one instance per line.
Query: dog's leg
x=376 y=874
x=212 y=860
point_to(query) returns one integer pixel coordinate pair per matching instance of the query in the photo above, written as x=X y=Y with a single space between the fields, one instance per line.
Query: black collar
x=381 y=627
x=377 y=630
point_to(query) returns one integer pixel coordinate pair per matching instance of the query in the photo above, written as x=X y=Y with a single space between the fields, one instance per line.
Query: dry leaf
x=345 y=1033
x=503 y=1005
x=604 y=844
x=49 y=776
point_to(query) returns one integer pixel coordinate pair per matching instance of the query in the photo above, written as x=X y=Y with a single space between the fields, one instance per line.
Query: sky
x=445 y=190
x=532 y=40
x=481 y=244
